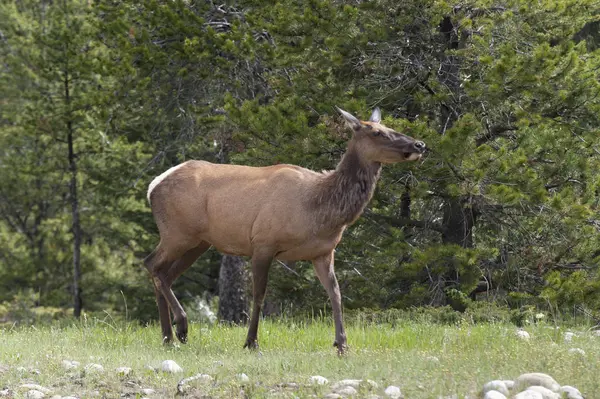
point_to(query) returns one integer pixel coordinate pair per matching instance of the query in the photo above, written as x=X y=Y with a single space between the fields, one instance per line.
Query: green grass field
x=425 y=361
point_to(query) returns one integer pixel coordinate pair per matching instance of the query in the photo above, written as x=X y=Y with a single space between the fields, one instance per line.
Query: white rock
x=494 y=395
x=527 y=380
x=182 y=386
x=147 y=391
x=123 y=371
x=522 y=334
x=347 y=383
x=372 y=383
x=596 y=333
x=242 y=377
x=545 y=392
x=577 y=351
x=510 y=384
x=34 y=394
x=5 y=393
x=169 y=366
x=35 y=387
x=393 y=392
x=94 y=368
x=571 y=392
x=70 y=364
x=529 y=395
x=569 y=336
x=318 y=380
x=496 y=385
x=347 y=391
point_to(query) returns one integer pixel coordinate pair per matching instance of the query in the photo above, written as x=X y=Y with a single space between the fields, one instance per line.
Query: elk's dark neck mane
x=345 y=191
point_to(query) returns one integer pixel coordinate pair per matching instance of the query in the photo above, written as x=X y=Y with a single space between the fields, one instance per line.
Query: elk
x=282 y=212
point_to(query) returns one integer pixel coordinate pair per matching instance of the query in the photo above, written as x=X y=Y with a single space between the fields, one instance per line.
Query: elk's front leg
x=326 y=274
x=260 y=273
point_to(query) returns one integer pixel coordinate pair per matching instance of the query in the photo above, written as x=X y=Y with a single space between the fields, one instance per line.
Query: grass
x=467 y=357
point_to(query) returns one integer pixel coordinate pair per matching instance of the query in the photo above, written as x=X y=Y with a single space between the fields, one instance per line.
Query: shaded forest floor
x=425 y=361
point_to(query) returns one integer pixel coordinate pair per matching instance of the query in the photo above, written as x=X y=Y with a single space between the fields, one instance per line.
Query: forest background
x=500 y=218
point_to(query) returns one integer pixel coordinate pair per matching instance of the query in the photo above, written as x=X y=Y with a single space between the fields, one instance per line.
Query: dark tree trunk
x=233 y=299
x=458 y=223
x=73 y=198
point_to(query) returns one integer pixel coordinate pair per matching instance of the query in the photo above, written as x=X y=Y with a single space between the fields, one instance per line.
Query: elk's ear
x=350 y=119
x=376 y=115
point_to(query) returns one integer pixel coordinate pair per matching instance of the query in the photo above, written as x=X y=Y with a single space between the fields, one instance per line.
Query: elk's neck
x=348 y=189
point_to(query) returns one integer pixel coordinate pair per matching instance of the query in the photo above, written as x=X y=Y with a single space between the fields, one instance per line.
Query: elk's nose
x=419 y=145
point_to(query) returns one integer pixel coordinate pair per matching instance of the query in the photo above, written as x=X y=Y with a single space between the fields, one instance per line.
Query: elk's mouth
x=412 y=156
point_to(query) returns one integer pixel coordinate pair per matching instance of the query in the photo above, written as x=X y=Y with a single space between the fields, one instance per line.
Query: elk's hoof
x=167 y=339
x=251 y=344
x=182 y=335
x=341 y=349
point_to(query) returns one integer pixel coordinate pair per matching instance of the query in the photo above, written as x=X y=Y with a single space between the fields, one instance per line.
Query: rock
x=5 y=393
x=529 y=395
x=333 y=396
x=94 y=368
x=123 y=371
x=522 y=334
x=596 y=333
x=70 y=364
x=182 y=386
x=147 y=391
x=169 y=366
x=570 y=392
x=35 y=387
x=496 y=385
x=527 y=380
x=347 y=383
x=569 y=336
x=393 y=392
x=492 y=394
x=510 y=384
x=242 y=377
x=577 y=351
x=318 y=380
x=545 y=392
x=372 y=384
x=34 y=394
x=347 y=391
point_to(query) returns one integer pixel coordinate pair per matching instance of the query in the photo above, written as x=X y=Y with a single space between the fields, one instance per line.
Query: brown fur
x=277 y=212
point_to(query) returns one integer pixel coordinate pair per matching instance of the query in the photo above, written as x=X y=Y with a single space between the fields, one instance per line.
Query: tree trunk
x=233 y=299
x=73 y=198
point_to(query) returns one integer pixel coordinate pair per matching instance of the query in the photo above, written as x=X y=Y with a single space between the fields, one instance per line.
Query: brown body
x=277 y=212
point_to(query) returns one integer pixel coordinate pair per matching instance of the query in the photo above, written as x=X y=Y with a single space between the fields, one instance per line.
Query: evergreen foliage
x=506 y=95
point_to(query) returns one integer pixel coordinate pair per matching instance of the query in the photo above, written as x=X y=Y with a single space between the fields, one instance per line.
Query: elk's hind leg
x=165 y=264
x=164 y=314
x=176 y=269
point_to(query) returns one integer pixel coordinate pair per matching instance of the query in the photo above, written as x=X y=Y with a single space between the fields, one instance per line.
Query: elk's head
x=378 y=143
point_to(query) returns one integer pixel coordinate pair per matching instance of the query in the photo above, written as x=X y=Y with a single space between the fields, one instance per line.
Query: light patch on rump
x=160 y=178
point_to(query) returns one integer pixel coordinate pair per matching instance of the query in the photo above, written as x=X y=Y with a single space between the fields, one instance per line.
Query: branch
x=400 y=222
x=494 y=132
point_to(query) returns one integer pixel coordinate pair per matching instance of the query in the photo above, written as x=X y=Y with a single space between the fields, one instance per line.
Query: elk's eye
x=376 y=133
